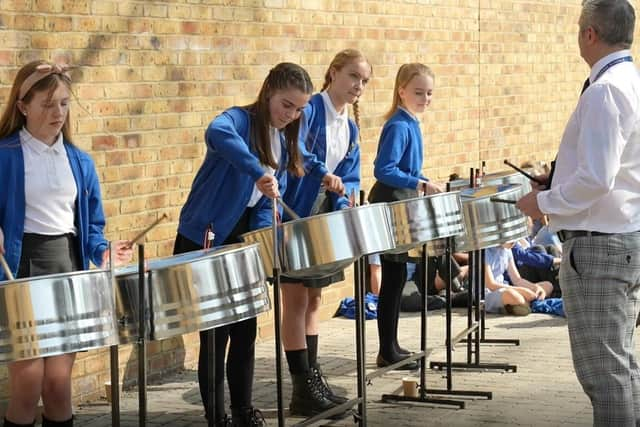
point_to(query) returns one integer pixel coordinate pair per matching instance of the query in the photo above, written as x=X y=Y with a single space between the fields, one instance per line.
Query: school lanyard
x=611 y=64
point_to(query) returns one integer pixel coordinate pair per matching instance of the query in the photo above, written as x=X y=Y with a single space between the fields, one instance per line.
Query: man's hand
x=529 y=205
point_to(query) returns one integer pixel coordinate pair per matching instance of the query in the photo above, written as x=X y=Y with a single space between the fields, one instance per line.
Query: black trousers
x=240 y=336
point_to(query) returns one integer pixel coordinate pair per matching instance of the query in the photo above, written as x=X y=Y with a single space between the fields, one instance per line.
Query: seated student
x=536 y=265
x=505 y=290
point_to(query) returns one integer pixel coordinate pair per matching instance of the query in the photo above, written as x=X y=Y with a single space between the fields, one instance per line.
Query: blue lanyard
x=611 y=64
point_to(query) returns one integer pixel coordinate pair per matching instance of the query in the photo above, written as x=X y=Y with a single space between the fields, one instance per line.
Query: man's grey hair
x=613 y=21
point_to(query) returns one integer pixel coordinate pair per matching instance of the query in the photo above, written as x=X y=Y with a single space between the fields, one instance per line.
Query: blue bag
x=549 y=305
x=348 y=307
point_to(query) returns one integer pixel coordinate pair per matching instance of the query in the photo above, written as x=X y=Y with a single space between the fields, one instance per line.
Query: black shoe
x=381 y=362
x=247 y=417
x=326 y=388
x=307 y=398
x=48 y=423
x=8 y=423
x=402 y=351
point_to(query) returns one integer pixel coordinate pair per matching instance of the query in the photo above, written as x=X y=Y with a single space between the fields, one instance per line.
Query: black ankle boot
x=247 y=417
x=8 y=423
x=324 y=384
x=49 y=423
x=307 y=398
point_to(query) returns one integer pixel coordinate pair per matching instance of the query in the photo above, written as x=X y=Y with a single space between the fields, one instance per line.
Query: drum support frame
x=422 y=355
x=475 y=331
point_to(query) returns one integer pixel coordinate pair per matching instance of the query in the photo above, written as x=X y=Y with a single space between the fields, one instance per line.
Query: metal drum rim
x=512 y=187
x=419 y=198
x=326 y=214
x=204 y=254
x=54 y=276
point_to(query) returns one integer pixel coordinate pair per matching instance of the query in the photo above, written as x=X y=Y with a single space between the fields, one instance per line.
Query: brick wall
x=154 y=73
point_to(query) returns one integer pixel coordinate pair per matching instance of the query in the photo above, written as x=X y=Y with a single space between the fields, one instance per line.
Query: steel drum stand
x=475 y=322
x=424 y=352
x=359 y=293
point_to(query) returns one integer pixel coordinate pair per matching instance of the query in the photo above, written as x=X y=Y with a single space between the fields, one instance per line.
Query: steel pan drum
x=193 y=291
x=508 y=177
x=498 y=178
x=323 y=244
x=55 y=314
x=489 y=223
x=424 y=219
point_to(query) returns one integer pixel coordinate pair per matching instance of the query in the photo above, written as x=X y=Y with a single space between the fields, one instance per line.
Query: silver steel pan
x=193 y=291
x=497 y=178
x=423 y=219
x=489 y=220
x=55 y=314
x=323 y=244
x=508 y=177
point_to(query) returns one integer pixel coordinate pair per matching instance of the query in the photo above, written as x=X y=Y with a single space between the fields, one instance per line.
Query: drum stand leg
x=141 y=344
x=359 y=293
x=475 y=322
x=212 y=410
x=115 y=386
x=422 y=355
x=278 y=339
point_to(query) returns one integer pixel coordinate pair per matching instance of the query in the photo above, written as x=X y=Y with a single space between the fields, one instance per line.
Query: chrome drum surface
x=323 y=244
x=194 y=291
x=491 y=223
x=424 y=219
x=56 y=314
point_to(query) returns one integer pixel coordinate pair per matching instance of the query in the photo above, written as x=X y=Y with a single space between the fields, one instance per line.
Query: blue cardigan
x=89 y=216
x=302 y=191
x=224 y=184
x=398 y=162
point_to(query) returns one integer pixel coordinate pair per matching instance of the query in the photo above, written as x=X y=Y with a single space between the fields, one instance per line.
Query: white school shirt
x=276 y=151
x=596 y=185
x=49 y=187
x=337 y=133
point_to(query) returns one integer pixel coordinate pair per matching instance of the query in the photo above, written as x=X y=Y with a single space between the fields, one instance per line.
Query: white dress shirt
x=596 y=185
x=337 y=132
x=49 y=187
x=276 y=151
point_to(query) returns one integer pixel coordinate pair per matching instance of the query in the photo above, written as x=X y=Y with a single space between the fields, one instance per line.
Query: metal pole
x=277 y=315
x=141 y=345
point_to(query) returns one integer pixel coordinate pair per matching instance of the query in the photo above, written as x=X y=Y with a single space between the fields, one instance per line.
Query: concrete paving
x=542 y=392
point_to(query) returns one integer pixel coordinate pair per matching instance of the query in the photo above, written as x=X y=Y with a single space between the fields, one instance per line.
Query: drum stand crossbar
x=423 y=391
x=473 y=335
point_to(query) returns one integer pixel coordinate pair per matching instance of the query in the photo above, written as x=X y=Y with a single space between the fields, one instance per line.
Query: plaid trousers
x=600 y=281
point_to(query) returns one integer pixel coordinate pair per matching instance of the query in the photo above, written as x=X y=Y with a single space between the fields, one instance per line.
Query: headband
x=42 y=71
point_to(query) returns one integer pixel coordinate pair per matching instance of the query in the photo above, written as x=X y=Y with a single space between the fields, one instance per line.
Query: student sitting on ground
x=505 y=290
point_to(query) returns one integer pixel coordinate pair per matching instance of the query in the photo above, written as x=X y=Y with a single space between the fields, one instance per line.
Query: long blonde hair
x=404 y=76
x=12 y=119
x=341 y=59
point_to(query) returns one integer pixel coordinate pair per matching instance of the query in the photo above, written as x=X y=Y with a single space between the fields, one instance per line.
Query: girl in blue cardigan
x=51 y=221
x=333 y=137
x=250 y=152
x=398 y=171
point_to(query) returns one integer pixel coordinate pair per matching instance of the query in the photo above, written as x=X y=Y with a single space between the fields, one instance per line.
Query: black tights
x=240 y=364
x=394 y=276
